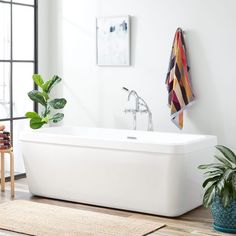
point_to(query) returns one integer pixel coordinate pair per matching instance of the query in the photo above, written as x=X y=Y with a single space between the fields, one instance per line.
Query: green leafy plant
x=42 y=97
x=220 y=177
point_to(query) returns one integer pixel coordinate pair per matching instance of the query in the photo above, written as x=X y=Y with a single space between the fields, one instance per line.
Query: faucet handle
x=125 y=89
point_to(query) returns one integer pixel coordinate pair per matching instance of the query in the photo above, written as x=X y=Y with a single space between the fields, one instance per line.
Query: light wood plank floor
x=197 y=222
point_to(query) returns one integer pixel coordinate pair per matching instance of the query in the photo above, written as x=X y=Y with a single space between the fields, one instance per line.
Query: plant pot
x=224 y=218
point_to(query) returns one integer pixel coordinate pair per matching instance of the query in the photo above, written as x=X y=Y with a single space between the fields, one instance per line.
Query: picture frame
x=113 y=41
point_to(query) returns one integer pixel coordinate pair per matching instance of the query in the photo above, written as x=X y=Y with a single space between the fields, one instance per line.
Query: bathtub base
x=154 y=183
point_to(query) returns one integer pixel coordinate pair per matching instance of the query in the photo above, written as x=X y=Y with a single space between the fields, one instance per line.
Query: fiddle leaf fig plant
x=220 y=178
x=42 y=97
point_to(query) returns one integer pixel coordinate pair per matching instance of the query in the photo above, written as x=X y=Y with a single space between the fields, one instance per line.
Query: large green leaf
x=234 y=181
x=212 y=166
x=45 y=95
x=214 y=172
x=47 y=87
x=224 y=161
x=221 y=185
x=228 y=154
x=234 y=194
x=32 y=114
x=37 y=96
x=221 y=177
x=36 y=123
x=211 y=180
x=225 y=197
x=225 y=180
x=58 y=103
x=57 y=117
x=38 y=80
x=209 y=195
x=228 y=174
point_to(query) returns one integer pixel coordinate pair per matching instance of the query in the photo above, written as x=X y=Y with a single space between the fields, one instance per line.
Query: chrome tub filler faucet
x=140 y=106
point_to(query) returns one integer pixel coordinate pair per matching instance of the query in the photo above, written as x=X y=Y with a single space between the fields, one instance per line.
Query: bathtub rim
x=38 y=136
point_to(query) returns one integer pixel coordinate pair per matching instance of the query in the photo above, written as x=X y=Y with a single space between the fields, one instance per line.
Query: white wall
x=43 y=37
x=94 y=93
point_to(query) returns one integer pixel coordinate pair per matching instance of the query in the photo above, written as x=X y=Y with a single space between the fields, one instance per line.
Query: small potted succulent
x=220 y=190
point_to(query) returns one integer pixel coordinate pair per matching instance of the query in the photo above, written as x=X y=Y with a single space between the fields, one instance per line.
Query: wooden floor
x=197 y=222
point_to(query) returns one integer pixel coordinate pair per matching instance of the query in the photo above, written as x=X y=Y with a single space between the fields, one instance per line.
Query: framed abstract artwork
x=113 y=41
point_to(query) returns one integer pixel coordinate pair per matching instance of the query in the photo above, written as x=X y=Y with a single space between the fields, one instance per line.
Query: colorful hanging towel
x=178 y=80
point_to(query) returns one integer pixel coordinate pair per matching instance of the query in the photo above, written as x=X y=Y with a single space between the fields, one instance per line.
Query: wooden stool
x=10 y=152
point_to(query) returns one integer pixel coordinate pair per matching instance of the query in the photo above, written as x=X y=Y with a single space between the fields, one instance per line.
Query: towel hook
x=180 y=29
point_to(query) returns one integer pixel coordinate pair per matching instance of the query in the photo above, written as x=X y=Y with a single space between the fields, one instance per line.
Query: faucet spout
x=140 y=107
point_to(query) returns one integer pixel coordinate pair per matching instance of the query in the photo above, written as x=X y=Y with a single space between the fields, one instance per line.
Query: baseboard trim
x=17 y=176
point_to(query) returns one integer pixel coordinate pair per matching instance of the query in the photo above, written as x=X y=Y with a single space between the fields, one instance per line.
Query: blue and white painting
x=113 y=41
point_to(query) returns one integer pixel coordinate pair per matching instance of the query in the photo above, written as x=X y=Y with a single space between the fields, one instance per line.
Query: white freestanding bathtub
x=141 y=171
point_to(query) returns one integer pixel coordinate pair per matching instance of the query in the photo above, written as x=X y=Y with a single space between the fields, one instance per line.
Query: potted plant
x=220 y=190
x=42 y=97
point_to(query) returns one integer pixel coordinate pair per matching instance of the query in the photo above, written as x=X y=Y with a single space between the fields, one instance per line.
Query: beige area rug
x=48 y=220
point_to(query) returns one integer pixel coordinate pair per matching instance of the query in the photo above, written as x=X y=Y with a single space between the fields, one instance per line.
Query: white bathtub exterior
x=155 y=173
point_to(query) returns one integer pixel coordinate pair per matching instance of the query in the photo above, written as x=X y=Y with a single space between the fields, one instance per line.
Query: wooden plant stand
x=10 y=152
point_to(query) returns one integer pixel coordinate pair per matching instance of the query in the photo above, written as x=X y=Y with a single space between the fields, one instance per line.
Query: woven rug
x=48 y=220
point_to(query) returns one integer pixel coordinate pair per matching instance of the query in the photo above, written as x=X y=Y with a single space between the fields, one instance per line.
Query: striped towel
x=178 y=80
